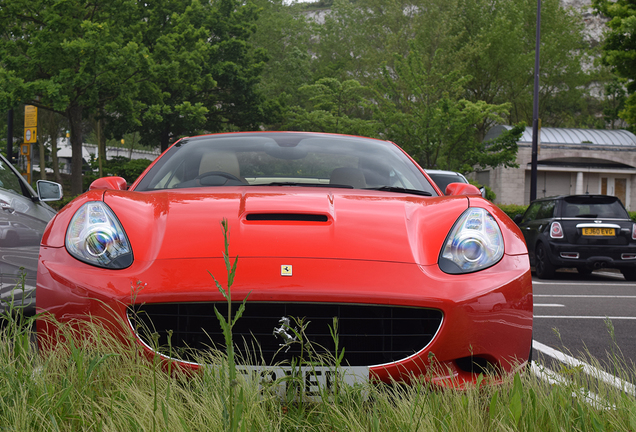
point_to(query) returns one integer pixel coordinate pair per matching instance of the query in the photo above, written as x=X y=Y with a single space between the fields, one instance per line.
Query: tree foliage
x=204 y=72
x=332 y=106
x=432 y=75
x=442 y=72
x=424 y=109
x=619 y=48
x=70 y=57
x=163 y=68
x=120 y=166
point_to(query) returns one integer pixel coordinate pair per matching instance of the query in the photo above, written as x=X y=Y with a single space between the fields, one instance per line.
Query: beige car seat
x=348 y=176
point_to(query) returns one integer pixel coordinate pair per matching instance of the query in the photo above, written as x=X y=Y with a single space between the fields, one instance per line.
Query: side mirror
x=462 y=189
x=518 y=218
x=49 y=191
x=116 y=183
x=483 y=191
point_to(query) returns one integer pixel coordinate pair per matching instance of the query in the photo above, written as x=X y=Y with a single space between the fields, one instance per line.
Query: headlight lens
x=474 y=243
x=96 y=237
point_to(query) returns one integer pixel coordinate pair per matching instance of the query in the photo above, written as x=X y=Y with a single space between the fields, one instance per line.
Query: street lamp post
x=10 y=136
x=535 y=110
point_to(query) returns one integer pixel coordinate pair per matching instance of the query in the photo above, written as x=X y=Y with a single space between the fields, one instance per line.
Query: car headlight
x=474 y=243
x=96 y=237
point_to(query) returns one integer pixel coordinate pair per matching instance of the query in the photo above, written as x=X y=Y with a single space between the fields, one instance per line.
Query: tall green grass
x=95 y=383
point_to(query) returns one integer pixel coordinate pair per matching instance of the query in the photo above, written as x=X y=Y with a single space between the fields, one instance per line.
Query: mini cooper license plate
x=599 y=232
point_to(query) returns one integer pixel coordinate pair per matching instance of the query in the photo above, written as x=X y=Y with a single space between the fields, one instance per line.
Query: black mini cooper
x=586 y=232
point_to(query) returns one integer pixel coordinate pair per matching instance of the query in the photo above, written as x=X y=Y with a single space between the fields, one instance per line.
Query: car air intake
x=296 y=217
x=369 y=334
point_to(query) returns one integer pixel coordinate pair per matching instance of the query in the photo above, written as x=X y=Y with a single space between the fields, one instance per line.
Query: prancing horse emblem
x=282 y=331
x=285 y=270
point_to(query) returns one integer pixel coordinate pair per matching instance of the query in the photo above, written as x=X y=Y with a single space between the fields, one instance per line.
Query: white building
x=64 y=154
x=570 y=161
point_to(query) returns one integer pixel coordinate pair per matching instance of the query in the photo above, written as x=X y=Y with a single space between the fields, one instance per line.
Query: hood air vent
x=295 y=217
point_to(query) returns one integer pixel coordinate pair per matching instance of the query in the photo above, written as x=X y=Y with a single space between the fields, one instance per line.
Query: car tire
x=542 y=266
x=629 y=274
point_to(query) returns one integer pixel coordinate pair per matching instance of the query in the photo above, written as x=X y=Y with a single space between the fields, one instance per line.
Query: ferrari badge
x=285 y=270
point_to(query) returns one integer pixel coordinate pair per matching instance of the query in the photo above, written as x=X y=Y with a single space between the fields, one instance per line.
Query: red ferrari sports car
x=325 y=227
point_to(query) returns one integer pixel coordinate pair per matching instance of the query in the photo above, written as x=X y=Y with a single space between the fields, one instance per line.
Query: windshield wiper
x=332 y=185
x=403 y=190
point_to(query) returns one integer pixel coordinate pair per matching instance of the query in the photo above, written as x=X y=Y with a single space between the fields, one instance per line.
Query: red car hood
x=359 y=225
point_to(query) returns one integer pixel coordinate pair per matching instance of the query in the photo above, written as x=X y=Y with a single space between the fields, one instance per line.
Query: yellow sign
x=25 y=149
x=30 y=116
x=30 y=134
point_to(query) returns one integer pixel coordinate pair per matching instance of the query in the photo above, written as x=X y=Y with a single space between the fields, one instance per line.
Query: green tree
x=493 y=41
x=424 y=110
x=70 y=57
x=619 y=48
x=285 y=33
x=357 y=38
x=333 y=107
x=204 y=72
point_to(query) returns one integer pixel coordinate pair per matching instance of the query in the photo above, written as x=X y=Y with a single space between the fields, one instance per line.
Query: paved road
x=571 y=313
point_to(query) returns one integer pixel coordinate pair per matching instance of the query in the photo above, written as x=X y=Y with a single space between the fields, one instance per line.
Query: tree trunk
x=54 y=161
x=101 y=146
x=165 y=140
x=52 y=125
x=74 y=115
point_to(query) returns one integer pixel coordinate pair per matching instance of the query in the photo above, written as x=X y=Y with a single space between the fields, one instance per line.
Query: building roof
x=567 y=136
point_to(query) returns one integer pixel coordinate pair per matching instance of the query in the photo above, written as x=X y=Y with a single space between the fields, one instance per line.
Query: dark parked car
x=23 y=217
x=585 y=232
x=444 y=178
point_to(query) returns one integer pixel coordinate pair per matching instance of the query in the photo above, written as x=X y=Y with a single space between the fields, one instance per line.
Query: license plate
x=310 y=383
x=598 y=232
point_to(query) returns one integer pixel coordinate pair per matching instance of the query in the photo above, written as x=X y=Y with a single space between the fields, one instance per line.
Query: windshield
x=285 y=159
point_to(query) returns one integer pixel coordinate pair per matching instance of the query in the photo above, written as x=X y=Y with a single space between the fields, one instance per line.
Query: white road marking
x=584 y=296
x=553 y=378
x=548 y=305
x=613 y=318
x=588 y=369
x=601 y=284
x=617 y=276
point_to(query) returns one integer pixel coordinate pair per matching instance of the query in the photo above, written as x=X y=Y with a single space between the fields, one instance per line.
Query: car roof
x=443 y=172
x=586 y=196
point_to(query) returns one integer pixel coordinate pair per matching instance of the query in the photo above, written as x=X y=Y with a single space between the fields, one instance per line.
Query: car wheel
x=629 y=274
x=543 y=267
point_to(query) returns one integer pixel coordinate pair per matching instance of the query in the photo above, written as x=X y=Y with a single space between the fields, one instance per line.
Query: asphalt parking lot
x=592 y=318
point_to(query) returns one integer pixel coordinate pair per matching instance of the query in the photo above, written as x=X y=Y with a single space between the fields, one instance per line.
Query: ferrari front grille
x=278 y=333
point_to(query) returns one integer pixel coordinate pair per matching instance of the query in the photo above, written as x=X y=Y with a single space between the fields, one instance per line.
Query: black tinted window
x=546 y=211
x=8 y=179
x=531 y=213
x=590 y=207
x=443 y=180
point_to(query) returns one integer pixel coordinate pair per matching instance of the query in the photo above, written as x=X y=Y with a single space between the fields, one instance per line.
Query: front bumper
x=486 y=316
